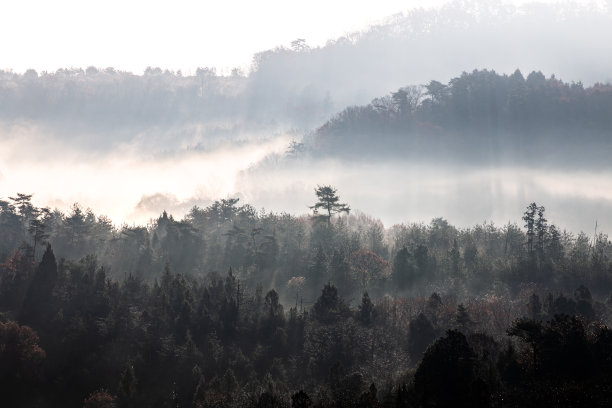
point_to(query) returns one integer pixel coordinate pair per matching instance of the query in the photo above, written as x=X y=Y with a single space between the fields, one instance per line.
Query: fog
x=564 y=39
x=299 y=86
x=132 y=146
x=400 y=192
x=243 y=239
x=133 y=181
x=132 y=184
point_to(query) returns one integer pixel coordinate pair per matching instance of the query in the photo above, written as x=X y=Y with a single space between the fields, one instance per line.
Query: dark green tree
x=329 y=307
x=534 y=307
x=463 y=319
x=366 y=312
x=530 y=220
x=317 y=269
x=529 y=331
x=455 y=259
x=403 y=269
x=555 y=247
x=37 y=304
x=328 y=204
x=446 y=374
x=300 y=400
x=126 y=392
x=541 y=229
x=421 y=333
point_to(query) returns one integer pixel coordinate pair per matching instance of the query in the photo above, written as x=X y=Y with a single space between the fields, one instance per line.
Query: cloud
x=151 y=206
x=132 y=174
x=134 y=183
x=400 y=192
x=131 y=182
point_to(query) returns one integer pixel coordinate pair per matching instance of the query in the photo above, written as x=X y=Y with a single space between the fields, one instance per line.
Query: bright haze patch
x=129 y=183
x=134 y=168
x=402 y=192
x=182 y=34
x=134 y=182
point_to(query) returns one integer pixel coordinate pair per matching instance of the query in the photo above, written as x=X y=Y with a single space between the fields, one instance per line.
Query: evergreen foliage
x=144 y=320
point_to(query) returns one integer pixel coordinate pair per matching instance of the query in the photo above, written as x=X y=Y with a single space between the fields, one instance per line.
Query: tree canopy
x=328 y=203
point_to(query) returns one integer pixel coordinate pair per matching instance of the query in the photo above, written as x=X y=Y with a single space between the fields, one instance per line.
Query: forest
x=216 y=303
x=299 y=84
x=482 y=116
x=234 y=307
x=109 y=100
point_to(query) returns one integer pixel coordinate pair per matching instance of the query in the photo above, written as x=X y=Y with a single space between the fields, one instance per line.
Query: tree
x=274 y=312
x=317 y=269
x=329 y=307
x=529 y=331
x=20 y=362
x=366 y=312
x=446 y=374
x=534 y=307
x=99 y=399
x=555 y=247
x=37 y=227
x=36 y=305
x=300 y=400
x=421 y=334
x=126 y=392
x=437 y=91
x=299 y=45
x=368 y=266
x=376 y=240
x=403 y=269
x=529 y=218
x=23 y=202
x=328 y=202
x=455 y=258
x=462 y=317
x=400 y=100
x=541 y=229
x=422 y=261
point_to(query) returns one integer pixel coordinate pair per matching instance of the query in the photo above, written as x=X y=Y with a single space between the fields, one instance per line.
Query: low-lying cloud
x=133 y=183
x=399 y=191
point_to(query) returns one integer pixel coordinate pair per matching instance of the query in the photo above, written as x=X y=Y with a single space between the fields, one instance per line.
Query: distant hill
x=483 y=116
x=298 y=86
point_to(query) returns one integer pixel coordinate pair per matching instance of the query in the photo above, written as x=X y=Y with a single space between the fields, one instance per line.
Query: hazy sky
x=137 y=179
x=179 y=34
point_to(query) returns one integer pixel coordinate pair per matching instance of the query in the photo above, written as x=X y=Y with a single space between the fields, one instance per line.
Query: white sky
x=179 y=34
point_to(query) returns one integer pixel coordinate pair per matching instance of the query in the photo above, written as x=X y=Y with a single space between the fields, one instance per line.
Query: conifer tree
x=37 y=302
x=328 y=203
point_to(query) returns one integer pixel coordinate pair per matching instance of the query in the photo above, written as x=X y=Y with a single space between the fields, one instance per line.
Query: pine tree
x=421 y=334
x=300 y=400
x=541 y=229
x=534 y=307
x=529 y=218
x=403 y=269
x=455 y=258
x=463 y=320
x=318 y=268
x=328 y=203
x=366 y=312
x=126 y=393
x=37 y=302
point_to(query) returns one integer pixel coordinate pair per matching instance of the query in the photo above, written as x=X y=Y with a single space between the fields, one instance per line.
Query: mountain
x=482 y=116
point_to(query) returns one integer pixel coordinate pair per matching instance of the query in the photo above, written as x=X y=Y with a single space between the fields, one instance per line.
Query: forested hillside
x=234 y=307
x=299 y=85
x=480 y=116
x=450 y=270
